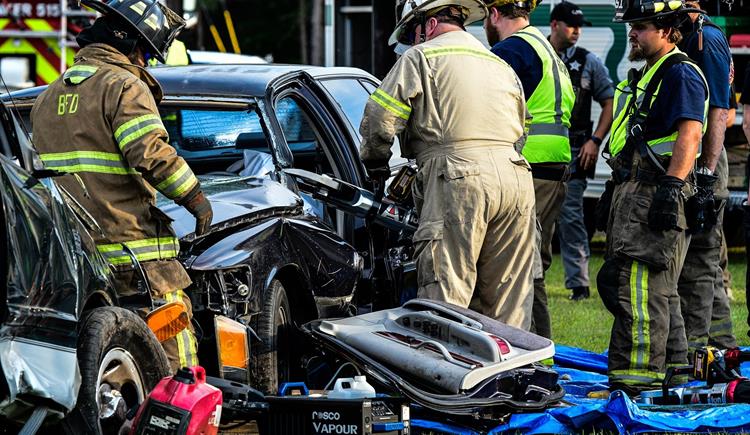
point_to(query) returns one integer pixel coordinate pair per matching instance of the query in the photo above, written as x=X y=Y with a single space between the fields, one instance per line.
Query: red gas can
x=180 y=405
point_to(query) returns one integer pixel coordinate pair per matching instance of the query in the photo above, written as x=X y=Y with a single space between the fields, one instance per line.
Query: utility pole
x=303 y=40
x=316 y=33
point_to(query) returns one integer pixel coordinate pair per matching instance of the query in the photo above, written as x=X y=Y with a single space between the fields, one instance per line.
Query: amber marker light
x=168 y=320
x=232 y=343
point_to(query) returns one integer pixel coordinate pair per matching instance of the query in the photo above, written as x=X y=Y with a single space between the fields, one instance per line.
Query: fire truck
x=37 y=40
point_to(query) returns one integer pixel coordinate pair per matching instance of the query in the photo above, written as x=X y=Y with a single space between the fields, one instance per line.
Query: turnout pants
x=704 y=301
x=475 y=242
x=638 y=284
x=549 y=195
x=181 y=350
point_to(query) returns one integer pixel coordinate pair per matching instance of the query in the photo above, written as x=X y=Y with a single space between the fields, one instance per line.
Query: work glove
x=701 y=209
x=601 y=212
x=196 y=203
x=665 y=207
x=377 y=170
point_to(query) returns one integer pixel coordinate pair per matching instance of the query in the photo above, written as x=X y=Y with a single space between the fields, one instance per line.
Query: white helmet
x=408 y=10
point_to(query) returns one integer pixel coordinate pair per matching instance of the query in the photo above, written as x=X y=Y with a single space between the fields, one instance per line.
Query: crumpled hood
x=232 y=199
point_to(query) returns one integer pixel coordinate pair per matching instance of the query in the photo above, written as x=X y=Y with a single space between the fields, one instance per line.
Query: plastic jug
x=348 y=388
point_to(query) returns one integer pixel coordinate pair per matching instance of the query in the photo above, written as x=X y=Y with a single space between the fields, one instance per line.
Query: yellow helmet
x=530 y=5
x=409 y=10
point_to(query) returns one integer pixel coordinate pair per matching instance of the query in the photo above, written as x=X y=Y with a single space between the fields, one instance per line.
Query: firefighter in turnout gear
x=98 y=124
x=704 y=300
x=473 y=190
x=659 y=114
x=549 y=97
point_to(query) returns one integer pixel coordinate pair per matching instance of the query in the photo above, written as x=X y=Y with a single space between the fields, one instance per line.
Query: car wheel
x=120 y=361
x=270 y=360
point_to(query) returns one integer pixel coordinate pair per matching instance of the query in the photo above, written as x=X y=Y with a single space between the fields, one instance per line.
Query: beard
x=637 y=53
x=493 y=36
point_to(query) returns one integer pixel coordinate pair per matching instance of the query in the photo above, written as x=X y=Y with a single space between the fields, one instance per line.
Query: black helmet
x=156 y=23
x=629 y=11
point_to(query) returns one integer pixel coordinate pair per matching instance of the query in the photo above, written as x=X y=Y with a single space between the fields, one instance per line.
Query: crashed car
x=275 y=256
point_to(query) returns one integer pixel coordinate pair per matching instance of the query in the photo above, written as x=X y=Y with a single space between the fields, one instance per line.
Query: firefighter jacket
x=447 y=92
x=99 y=125
x=623 y=109
x=550 y=104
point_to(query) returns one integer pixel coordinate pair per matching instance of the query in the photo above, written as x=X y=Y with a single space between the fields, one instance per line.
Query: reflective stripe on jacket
x=550 y=105
x=447 y=92
x=100 y=125
x=623 y=95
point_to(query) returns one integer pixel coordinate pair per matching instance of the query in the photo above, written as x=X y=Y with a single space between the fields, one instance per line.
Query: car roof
x=237 y=80
x=222 y=80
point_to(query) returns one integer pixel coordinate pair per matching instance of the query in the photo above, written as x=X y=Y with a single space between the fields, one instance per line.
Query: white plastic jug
x=348 y=388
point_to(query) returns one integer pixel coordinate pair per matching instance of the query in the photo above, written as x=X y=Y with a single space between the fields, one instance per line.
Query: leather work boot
x=579 y=293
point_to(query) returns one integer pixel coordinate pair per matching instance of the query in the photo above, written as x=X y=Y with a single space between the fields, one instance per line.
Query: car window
x=215 y=140
x=351 y=96
x=396 y=159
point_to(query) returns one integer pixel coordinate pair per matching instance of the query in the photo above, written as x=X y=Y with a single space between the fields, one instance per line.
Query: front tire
x=120 y=361
x=270 y=360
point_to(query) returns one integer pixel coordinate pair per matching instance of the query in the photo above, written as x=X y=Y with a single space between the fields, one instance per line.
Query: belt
x=552 y=172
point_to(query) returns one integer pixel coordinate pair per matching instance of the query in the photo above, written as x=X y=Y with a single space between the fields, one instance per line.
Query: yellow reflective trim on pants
x=391 y=104
x=641 y=339
x=635 y=377
x=430 y=53
x=187 y=347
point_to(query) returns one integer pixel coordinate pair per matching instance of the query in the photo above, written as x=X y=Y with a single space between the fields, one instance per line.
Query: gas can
x=183 y=404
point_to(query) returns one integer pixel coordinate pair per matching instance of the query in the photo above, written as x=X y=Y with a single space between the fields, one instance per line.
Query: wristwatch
x=596 y=140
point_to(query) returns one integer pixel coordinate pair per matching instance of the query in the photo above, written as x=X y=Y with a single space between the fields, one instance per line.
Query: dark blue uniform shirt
x=524 y=61
x=682 y=95
x=714 y=60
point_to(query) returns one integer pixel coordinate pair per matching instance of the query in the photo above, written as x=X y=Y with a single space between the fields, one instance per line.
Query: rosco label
x=327 y=422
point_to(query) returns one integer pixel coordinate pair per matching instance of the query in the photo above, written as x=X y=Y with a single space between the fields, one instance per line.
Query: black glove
x=196 y=203
x=601 y=212
x=377 y=170
x=665 y=207
x=701 y=208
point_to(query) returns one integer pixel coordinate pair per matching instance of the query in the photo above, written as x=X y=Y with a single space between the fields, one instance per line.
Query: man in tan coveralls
x=99 y=125
x=463 y=112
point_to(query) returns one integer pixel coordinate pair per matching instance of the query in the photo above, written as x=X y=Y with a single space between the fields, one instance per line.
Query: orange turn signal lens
x=232 y=343
x=168 y=320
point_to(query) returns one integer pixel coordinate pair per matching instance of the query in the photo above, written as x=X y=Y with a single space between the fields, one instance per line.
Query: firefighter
x=550 y=97
x=704 y=300
x=659 y=113
x=590 y=79
x=99 y=125
x=473 y=189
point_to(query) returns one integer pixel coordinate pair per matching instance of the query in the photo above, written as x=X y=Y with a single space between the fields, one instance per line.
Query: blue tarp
x=582 y=372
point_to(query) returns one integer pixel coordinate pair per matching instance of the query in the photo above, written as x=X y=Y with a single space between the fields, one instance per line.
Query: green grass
x=587 y=324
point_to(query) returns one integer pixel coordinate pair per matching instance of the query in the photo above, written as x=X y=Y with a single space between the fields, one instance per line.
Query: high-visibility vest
x=623 y=94
x=550 y=104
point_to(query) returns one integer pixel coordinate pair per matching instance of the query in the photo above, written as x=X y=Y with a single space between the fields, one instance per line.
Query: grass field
x=586 y=324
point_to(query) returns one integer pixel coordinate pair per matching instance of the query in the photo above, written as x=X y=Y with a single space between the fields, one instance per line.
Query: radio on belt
x=305 y=415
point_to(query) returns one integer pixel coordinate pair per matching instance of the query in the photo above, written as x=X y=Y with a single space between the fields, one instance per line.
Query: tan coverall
x=463 y=110
x=99 y=124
